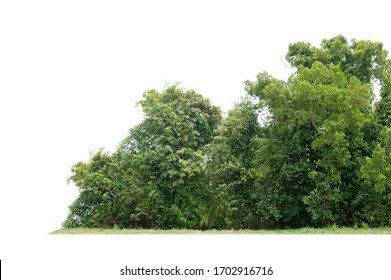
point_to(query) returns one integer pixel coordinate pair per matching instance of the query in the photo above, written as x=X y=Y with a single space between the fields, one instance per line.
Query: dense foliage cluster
x=314 y=150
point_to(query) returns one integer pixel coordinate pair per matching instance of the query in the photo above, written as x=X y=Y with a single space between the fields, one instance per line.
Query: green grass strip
x=331 y=230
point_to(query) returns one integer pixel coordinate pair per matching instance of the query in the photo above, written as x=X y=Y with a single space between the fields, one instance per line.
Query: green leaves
x=314 y=150
x=168 y=146
x=318 y=125
x=230 y=169
x=376 y=176
x=324 y=205
x=301 y=54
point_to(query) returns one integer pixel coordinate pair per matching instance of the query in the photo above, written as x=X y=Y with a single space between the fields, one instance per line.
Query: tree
x=156 y=176
x=313 y=144
x=367 y=61
x=313 y=150
x=230 y=169
x=375 y=194
x=168 y=150
x=97 y=204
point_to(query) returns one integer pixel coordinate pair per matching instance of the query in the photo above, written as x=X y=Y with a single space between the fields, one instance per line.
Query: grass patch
x=331 y=230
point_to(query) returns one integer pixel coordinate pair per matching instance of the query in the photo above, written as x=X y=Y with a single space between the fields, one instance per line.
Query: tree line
x=311 y=151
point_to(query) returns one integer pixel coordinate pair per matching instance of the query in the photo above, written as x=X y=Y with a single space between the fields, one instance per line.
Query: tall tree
x=313 y=145
x=230 y=169
x=168 y=147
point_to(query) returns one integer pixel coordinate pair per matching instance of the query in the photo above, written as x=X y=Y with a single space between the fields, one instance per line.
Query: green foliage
x=155 y=178
x=362 y=59
x=316 y=138
x=375 y=195
x=311 y=151
x=230 y=169
x=96 y=205
x=168 y=146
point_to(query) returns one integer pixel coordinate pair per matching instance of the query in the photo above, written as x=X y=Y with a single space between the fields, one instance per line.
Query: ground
x=331 y=230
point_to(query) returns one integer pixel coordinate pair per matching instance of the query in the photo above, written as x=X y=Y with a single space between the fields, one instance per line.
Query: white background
x=70 y=74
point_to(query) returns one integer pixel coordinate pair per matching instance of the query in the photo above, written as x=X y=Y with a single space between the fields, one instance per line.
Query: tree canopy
x=312 y=150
